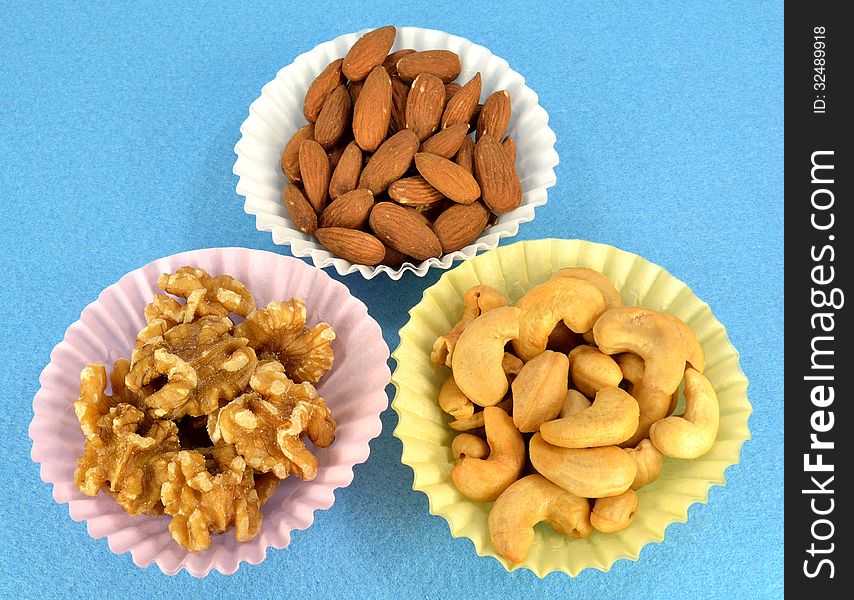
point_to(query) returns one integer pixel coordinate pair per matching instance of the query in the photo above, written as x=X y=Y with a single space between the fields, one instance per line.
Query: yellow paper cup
x=514 y=269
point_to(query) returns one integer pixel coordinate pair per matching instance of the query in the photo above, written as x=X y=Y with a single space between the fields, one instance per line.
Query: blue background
x=117 y=131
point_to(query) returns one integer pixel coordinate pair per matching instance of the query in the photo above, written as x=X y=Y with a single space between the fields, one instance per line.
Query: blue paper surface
x=118 y=124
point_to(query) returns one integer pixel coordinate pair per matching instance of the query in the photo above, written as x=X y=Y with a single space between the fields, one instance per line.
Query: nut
x=345 y=176
x=693 y=434
x=299 y=209
x=290 y=155
x=368 y=52
x=573 y=403
x=460 y=225
x=496 y=175
x=586 y=472
x=476 y=301
x=592 y=370
x=468 y=445
x=424 y=105
x=649 y=461
x=611 y=419
x=373 y=110
x=448 y=177
x=529 y=501
x=478 y=355
x=414 y=191
x=447 y=142
x=539 y=390
x=391 y=160
x=314 y=170
x=279 y=333
x=494 y=116
x=576 y=302
x=334 y=118
x=476 y=420
x=320 y=88
x=356 y=246
x=453 y=401
x=350 y=210
x=465 y=155
x=403 y=230
x=460 y=107
x=390 y=62
x=444 y=64
x=483 y=480
x=614 y=513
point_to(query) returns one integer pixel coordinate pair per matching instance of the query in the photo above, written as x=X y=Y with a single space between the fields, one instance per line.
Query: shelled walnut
x=175 y=435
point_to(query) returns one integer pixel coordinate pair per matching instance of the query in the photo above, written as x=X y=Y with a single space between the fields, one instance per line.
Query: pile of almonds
x=385 y=171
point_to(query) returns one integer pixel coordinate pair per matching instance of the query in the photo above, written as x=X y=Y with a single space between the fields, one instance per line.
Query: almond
x=335 y=154
x=509 y=145
x=334 y=118
x=369 y=51
x=355 y=88
x=353 y=245
x=461 y=106
x=290 y=155
x=298 y=207
x=345 y=177
x=390 y=62
x=314 y=169
x=444 y=64
x=373 y=110
x=451 y=89
x=399 y=95
x=389 y=162
x=447 y=142
x=424 y=105
x=393 y=258
x=350 y=210
x=414 y=191
x=465 y=155
x=449 y=178
x=402 y=229
x=496 y=174
x=323 y=85
x=460 y=225
x=495 y=115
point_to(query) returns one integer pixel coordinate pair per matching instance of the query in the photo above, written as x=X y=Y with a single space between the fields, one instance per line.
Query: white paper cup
x=277 y=114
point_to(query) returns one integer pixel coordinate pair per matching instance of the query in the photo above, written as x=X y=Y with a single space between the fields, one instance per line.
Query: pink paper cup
x=354 y=390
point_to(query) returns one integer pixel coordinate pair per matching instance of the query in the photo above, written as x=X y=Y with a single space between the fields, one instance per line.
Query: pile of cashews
x=588 y=390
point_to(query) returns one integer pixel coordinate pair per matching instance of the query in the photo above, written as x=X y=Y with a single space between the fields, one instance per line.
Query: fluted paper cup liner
x=423 y=427
x=354 y=390
x=277 y=114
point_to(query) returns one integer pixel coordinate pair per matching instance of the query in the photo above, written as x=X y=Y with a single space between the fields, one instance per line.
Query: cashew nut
x=476 y=301
x=654 y=337
x=592 y=370
x=511 y=364
x=483 y=480
x=693 y=349
x=614 y=513
x=573 y=403
x=693 y=434
x=576 y=302
x=466 y=444
x=611 y=419
x=586 y=472
x=631 y=365
x=649 y=462
x=539 y=390
x=476 y=420
x=529 y=501
x=479 y=353
x=453 y=401
x=609 y=292
x=603 y=284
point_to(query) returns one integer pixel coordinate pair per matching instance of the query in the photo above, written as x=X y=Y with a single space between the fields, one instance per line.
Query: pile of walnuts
x=207 y=416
